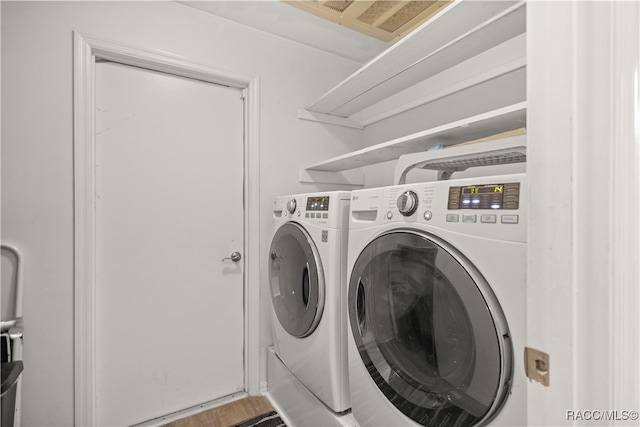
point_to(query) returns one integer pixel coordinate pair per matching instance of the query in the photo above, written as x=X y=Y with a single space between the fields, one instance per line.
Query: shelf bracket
x=353 y=178
x=314 y=116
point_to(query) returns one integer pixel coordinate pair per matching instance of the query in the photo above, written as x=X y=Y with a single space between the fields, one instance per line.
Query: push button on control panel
x=510 y=219
x=469 y=218
x=453 y=217
x=488 y=219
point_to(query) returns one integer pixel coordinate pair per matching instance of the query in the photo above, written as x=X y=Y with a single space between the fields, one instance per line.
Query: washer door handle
x=361 y=314
x=305 y=286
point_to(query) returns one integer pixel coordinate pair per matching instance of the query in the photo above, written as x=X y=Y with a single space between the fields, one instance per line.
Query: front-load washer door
x=429 y=330
x=296 y=279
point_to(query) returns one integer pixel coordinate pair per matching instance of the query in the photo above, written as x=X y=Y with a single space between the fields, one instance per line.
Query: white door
x=169 y=208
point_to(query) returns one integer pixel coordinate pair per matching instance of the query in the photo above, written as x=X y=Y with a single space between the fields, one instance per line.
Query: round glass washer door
x=429 y=330
x=296 y=280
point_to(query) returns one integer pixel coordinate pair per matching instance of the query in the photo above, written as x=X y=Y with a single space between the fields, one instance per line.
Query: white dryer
x=436 y=303
x=307 y=278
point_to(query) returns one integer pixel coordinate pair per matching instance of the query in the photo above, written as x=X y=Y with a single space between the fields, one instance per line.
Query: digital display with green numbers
x=485 y=189
x=486 y=196
x=319 y=203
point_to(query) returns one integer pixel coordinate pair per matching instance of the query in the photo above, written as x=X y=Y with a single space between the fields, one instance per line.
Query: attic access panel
x=387 y=20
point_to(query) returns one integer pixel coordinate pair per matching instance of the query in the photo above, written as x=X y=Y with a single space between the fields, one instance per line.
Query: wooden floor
x=228 y=414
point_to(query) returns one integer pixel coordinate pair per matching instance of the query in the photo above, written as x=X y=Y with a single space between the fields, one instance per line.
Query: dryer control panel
x=318 y=203
x=325 y=209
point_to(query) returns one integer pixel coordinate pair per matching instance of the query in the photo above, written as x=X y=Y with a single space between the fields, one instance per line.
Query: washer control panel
x=492 y=207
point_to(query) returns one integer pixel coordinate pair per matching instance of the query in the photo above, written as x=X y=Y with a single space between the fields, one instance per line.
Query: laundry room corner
x=37 y=168
x=354 y=213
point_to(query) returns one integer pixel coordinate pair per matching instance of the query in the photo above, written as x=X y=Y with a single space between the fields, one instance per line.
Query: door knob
x=235 y=257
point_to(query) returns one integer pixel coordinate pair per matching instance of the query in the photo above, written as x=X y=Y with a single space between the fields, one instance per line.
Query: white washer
x=307 y=278
x=436 y=303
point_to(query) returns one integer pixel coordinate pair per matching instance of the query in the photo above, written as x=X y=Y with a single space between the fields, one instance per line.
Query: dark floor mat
x=268 y=419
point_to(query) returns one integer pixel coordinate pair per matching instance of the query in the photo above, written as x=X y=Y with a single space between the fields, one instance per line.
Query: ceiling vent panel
x=387 y=20
x=376 y=11
x=338 y=6
x=406 y=13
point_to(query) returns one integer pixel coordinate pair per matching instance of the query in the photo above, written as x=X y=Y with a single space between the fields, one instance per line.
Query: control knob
x=407 y=203
x=291 y=206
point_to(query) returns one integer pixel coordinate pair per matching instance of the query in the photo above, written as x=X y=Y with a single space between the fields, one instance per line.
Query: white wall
x=37 y=147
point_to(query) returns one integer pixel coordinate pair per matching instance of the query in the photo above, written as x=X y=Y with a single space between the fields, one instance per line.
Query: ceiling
x=387 y=20
x=293 y=23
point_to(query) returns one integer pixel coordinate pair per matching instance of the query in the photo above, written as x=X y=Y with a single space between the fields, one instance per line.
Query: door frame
x=87 y=49
x=583 y=90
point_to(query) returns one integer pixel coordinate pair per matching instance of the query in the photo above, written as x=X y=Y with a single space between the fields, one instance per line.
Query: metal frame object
x=459 y=158
x=14 y=329
x=15 y=323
